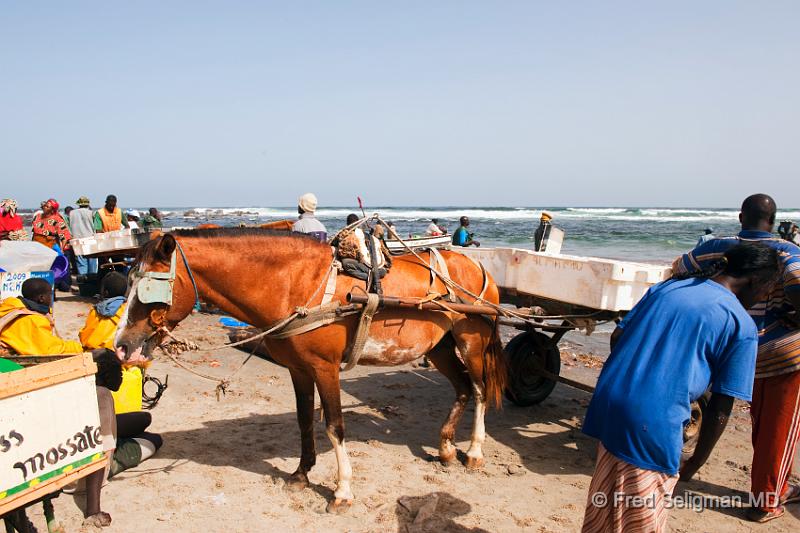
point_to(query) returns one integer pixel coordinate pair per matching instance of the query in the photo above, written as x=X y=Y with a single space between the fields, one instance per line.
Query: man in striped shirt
x=775 y=408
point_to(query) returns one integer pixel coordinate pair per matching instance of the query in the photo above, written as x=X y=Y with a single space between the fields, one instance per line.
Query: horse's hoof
x=474 y=463
x=447 y=459
x=339 y=506
x=297 y=482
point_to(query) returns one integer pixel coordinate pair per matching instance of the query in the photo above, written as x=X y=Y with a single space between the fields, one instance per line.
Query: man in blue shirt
x=684 y=335
x=775 y=409
x=462 y=236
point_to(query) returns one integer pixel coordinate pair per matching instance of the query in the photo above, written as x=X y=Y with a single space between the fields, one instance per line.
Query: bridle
x=158 y=287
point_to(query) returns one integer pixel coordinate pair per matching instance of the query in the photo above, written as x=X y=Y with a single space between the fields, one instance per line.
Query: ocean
x=645 y=234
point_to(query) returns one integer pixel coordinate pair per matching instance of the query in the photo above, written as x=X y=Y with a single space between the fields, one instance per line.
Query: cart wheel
x=691 y=433
x=527 y=353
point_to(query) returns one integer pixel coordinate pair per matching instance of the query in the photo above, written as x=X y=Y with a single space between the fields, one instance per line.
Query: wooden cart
x=49 y=430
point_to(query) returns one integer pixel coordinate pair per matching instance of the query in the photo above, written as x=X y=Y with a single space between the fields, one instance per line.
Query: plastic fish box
x=124 y=239
x=596 y=283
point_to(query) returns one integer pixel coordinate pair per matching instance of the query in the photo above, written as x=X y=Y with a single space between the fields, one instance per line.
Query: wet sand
x=224 y=464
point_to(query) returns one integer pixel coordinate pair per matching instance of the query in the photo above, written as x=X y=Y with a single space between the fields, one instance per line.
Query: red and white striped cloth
x=626 y=498
x=776 y=429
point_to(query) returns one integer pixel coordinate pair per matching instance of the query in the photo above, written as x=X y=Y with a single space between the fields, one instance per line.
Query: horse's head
x=160 y=295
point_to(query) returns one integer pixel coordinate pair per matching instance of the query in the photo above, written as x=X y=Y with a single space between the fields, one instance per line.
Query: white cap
x=133 y=213
x=308 y=202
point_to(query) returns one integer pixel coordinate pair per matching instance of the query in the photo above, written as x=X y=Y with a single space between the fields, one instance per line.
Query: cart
x=49 y=432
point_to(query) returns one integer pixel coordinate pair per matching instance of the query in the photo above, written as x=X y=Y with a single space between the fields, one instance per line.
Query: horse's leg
x=304 y=397
x=330 y=395
x=444 y=358
x=472 y=340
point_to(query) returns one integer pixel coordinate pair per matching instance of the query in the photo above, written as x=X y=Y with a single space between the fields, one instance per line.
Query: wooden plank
x=51 y=485
x=46 y=374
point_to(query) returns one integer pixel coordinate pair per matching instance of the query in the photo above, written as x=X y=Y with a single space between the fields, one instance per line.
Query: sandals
x=754 y=514
x=792 y=495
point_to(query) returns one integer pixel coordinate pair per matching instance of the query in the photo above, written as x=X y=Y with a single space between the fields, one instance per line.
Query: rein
x=163 y=294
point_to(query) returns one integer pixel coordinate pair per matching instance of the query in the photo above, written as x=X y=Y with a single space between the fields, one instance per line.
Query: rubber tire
x=525 y=353
x=691 y=433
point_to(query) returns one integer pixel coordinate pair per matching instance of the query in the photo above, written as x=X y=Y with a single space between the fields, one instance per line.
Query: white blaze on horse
x=262 y=277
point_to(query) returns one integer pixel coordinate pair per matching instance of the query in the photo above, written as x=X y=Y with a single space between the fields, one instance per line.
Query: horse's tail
x=495 y=369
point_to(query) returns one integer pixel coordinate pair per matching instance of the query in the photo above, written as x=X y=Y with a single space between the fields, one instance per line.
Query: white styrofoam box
x=596 y=283
x=124 y=239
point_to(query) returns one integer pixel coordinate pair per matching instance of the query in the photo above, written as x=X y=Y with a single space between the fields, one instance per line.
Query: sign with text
x=11 y=282
x=48 y=432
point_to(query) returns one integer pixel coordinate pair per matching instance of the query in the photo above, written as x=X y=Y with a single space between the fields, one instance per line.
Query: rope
x=223 y=384
x=449 y=282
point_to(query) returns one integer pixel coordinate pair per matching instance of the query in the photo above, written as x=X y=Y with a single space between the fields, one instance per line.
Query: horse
x=262 y=276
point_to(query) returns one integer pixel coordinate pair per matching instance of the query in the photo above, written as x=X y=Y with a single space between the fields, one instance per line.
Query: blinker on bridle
x=157 y=287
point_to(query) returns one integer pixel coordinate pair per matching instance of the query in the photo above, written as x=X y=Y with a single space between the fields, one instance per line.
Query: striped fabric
x=776 y=429
x=776 y=318
x=625 y=498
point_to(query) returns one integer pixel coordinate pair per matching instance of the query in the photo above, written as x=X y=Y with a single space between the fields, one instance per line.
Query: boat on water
x=418 y=242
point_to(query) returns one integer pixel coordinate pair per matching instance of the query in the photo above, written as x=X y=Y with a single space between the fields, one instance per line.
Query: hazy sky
x=404 y=103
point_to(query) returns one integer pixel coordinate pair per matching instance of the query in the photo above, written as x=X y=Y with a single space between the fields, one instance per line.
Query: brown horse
x=262 y=276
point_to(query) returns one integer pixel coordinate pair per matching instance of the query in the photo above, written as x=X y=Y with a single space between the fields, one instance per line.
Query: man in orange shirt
x=109 y=217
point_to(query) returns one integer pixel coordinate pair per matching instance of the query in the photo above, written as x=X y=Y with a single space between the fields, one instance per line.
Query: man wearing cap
x=109 y=217
x=308 y=223
x=81 y=220
x=543 y=231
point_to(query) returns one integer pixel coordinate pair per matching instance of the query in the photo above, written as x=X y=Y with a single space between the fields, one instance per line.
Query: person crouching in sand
x=684 y=335
x=26 y=325
x=101 y=324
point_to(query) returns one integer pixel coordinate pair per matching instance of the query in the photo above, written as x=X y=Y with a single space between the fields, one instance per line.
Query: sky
x=410 y=103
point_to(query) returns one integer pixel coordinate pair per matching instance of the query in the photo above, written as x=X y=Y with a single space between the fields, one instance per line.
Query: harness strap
x=191 y=276
x=441 y=266
x=362 y=333
x=330 y=286
x=316 y=317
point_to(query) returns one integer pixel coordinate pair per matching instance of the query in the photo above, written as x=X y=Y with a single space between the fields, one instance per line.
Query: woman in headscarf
x=49 y=227
x=11 y=223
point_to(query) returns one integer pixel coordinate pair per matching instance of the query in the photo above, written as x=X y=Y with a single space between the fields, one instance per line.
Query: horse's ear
x=166 y=245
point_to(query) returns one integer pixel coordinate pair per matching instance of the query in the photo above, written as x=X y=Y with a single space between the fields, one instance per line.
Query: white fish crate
x=124 y=239
x=49 y=429
x=596 y=283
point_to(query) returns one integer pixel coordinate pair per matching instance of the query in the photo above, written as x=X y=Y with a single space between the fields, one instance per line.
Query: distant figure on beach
x=11 y=227
x=133 y=216
x=685 y=335
x=151 y=220
x=355 y=252
x=707 y=236
x=26 y=325
x=789 y=231
x=462 y=236
x=775 y=410
x=434 y=229
x=543 y=231
x=109 y=217
x=308 y=223
x=81 y=223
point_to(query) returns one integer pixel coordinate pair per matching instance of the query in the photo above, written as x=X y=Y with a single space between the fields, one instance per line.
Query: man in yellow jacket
x=101 y=324
x=26 y=326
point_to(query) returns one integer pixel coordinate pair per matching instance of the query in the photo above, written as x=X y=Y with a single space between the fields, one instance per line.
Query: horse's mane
x=147 y=251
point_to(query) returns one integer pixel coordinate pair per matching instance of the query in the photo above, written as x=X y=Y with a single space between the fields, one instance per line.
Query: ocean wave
x=649 y=214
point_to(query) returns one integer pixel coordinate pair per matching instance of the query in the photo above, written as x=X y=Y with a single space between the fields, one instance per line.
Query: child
x=101 y=324
x=26 y=325
x=125 y=438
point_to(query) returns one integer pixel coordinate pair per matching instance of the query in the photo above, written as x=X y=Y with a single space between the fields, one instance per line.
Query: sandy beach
x=224 y=464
